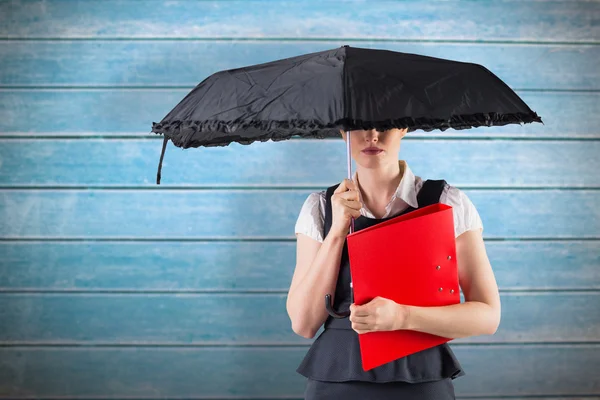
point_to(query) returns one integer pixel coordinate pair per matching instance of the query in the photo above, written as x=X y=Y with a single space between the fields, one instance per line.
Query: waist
x=338 y=323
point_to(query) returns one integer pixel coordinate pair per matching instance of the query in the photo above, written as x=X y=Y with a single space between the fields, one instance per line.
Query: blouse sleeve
x=466 y=216
x=310 y=220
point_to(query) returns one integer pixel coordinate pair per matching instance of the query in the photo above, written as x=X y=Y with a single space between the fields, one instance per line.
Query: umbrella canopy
x=315 y=95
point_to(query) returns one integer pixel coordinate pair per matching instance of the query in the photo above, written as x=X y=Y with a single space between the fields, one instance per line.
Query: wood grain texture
x=115 y=112
x=538 y=21
x=113 y=287
x=195 y=214
x=296 y=163
x=237 y=319
x=163 y=63
x=492 y=370
x=261 y=266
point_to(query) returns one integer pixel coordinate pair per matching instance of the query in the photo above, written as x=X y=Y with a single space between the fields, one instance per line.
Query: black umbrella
x=348 y=88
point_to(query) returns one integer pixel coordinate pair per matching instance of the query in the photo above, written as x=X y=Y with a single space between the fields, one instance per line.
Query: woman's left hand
x=380 y=314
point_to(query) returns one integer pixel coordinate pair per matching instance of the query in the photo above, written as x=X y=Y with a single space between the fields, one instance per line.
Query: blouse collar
x=406 y=189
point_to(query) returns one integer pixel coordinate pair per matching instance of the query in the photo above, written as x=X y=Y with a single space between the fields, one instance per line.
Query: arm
x=316 y=273
x=480 y=313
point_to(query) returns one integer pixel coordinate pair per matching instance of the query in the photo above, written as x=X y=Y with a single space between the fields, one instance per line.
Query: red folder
x=410 y=259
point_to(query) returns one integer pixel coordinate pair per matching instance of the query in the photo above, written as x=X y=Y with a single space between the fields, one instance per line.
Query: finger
x=353 y=204
x=361 y=325
x=351 y=184
x=361 y=328
x=350 y=195
x=361 y=312
x=343 y=186
x=361 y=321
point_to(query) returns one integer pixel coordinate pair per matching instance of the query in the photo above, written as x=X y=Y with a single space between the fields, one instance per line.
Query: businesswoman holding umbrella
x=372 y=98
x=383 y=187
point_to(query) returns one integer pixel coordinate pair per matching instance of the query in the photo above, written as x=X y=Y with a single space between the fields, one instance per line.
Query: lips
x=372 y=150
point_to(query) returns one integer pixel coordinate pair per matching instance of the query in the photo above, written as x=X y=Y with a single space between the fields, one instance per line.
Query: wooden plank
x=180 y=318
x=315 y=163
x=118 y=111
x=501 y=20
x=195 y=214
x=162 y=63
x=271 y=372
x=253 y=266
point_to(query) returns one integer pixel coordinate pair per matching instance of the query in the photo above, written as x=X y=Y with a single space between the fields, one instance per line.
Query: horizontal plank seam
x=295 y=397
x=195 y=188
x=282 y=345
x=253 y=292
x=261 y=188
x=26 y=136
x=190 y=87
x=212 y=39
x=138 y=88
x=55 y=239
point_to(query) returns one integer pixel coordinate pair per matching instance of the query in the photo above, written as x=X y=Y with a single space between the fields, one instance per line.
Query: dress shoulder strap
x=328 y=209
x=430 y=192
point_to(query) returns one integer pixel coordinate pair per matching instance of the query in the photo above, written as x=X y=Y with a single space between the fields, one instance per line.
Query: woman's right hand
x=345 y=204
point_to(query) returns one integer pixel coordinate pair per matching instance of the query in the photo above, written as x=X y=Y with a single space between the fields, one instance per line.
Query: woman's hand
x=380 y=314
x=345 y=205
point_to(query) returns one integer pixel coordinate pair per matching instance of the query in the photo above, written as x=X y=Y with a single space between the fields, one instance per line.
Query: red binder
x=410 y=259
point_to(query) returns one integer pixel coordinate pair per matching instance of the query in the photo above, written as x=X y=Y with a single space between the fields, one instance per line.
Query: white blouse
x=312 y=215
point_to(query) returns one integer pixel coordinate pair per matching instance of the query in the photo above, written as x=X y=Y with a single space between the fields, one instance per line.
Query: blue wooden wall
x=114 y=287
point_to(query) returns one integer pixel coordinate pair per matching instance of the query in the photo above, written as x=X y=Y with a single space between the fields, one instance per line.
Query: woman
x=382 y=188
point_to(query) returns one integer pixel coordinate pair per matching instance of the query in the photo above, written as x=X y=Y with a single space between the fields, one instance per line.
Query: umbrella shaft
x=349 y=157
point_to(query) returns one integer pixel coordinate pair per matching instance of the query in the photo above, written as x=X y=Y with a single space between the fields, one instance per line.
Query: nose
x=372 y=134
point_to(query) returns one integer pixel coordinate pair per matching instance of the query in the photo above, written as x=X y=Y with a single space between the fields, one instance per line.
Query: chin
x=372 y=161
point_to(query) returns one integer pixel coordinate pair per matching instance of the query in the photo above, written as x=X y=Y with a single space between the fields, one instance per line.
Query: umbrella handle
x=338 y=314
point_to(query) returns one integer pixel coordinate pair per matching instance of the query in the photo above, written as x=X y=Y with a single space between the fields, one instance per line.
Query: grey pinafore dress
x=333 y=362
